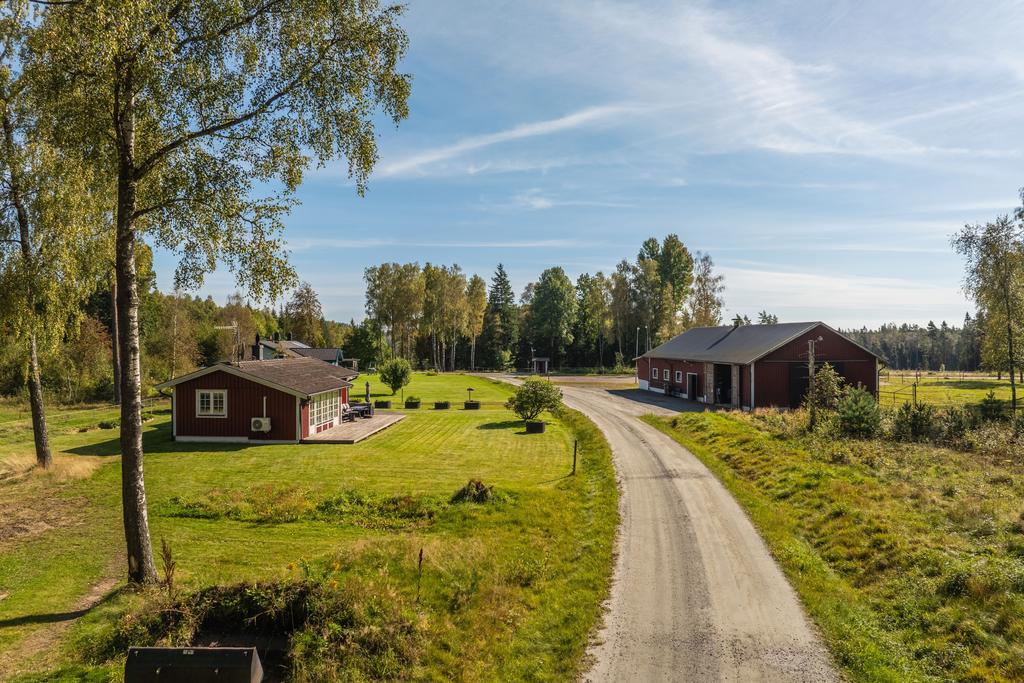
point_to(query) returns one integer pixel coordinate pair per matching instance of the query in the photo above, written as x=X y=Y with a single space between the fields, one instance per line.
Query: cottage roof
x=302 y=377
x=741 y=344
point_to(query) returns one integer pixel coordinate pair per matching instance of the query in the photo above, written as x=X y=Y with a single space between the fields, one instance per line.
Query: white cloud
x=419 y=161
x=849 y=299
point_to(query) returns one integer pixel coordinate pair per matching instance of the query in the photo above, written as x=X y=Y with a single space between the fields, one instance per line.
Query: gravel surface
x=696 y=594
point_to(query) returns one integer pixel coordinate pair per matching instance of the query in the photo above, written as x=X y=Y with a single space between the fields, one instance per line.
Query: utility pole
x=236 y=347
x=810 y=383
x=636 y=354
x=647 y=331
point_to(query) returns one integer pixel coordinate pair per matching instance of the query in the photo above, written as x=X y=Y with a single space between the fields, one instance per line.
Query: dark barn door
x=691 y=386
x=723 y=384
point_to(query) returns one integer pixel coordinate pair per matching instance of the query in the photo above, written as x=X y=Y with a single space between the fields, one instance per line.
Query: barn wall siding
x=671 y=385
x=772 y=371
x=245 y=401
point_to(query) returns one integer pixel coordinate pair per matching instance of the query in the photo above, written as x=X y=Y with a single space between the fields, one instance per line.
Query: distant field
x=942 y=388
x=510 y=590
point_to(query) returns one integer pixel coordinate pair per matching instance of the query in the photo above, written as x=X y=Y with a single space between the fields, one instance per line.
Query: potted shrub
x=470 y=404
x=442 y=405
x=531 y=399
x=380 y=403
x=412 y=402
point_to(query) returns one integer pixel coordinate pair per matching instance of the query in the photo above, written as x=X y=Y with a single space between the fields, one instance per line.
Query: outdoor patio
x=354 y=432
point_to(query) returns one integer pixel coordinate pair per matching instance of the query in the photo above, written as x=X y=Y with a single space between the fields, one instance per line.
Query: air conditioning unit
x=260 y=424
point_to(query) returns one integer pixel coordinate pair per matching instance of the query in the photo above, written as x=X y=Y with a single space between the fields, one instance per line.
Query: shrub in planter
x=858 y=414
x=442 y=405
x=412 y=402
x=382 y=404
x=471 y=405
x=532 y=398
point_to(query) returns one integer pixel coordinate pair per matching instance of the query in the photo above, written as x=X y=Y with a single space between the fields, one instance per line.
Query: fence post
x=915 y=394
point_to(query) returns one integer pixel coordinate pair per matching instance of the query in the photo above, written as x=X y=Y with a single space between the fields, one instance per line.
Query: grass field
x=909 y=557
x=942 y=389
x=509 y=589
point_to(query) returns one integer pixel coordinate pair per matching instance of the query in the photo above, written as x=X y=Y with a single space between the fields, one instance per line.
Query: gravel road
x=696 y=594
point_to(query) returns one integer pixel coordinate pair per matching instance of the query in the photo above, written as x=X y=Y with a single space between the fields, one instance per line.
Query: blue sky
x=822 y=153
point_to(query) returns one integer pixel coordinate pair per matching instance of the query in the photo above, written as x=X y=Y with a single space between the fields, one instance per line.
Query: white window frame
x=323 y=408
x=223 y=393
x=654 y=373
x=679 y=376
x=666 y=375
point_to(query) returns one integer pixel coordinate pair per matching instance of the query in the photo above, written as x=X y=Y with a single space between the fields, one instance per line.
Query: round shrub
x=395 y=373
x=533 y=397
x=858 y=414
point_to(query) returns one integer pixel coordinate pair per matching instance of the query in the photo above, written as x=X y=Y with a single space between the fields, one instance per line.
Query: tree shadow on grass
x=156 y=440
x=504 y=424
x=59 y=617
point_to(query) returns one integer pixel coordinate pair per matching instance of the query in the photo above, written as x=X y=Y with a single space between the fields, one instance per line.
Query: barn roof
x=326 y=355
x=741 y=344
x=298 y=376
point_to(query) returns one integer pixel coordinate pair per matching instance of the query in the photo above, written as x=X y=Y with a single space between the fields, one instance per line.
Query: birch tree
x=476 y=303
x=48 y=219
x=190 y=108
x=994 y=277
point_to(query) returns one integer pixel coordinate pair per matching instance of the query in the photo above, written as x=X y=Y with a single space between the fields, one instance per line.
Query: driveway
x=696 y=595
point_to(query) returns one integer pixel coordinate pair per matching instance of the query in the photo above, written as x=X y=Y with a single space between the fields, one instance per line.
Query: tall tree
x=394 y=297
x=476 y=303
x=994 y=255
x=766 y=318
x=452 y=313
x=190 y=107
x=593 y=312
x=704 y=306
x=621 y=302
x=501 y=326
x=305 y=316
x=675 y=268
x=553 y=311
x=48 y=213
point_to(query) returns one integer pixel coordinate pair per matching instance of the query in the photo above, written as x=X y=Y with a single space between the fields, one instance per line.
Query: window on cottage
x=654 y=373
x=323 y=409
x=212 y=403
x=679 y=375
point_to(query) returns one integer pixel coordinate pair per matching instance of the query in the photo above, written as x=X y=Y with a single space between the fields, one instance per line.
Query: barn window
x=323 y=408
x=654 y=373
x=679 y=375
x=212 y=403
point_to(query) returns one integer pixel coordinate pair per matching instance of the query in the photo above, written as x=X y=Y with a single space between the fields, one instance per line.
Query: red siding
x=771 y=381
x=671 y=385
x=245 y=401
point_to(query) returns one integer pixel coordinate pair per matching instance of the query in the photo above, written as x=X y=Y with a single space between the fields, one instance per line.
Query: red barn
x=753 y=365
x=264 y=401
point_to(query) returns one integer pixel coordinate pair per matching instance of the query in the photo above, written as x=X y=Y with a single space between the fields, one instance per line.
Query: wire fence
x=972 y=390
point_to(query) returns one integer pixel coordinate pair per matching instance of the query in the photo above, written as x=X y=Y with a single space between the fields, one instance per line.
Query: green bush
x=858 y=414
x=991 y=408
x=956 y=423
x=395 y=373
x=915 y=422
x=533 y=397
x=827 y=390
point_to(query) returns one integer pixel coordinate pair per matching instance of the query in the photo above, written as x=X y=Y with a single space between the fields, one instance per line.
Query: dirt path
x=696 y=594
x=33 y=651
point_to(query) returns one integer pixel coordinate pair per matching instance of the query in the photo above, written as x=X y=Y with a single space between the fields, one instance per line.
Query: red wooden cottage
x=263 y=401
x=753 y=365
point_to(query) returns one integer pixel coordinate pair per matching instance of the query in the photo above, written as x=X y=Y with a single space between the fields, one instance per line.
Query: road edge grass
x=849 y=628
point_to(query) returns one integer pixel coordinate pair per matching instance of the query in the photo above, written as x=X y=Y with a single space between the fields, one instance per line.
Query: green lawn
x=255 y=513
x=909 y=557
x=942 y=389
